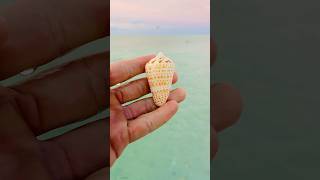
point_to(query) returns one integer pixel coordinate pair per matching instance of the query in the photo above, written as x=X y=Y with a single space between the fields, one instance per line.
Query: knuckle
x=129 y=112
x=150 y=125
x=120 y=95
x=149 y=105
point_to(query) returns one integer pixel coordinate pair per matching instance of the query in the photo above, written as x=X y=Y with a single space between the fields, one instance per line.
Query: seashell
x=160 y=72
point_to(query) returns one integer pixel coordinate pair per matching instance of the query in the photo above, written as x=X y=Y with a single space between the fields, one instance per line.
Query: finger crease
x=67 y=158
x=130 y=71
x=90 y=82
x=129 y=112
x=130 y=133
x=142 y=88
x=38 y=125
x=41 y=124
x=150 y=125
x=149 y=106
x=114 y=150
x=120 y=95
x=58 y=33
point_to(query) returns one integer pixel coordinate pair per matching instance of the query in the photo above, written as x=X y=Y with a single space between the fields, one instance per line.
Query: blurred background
x=152 y=17
x=269 y=51
x=180 y=29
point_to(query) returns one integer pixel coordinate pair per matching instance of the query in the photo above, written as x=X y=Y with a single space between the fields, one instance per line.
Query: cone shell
x=160 y=72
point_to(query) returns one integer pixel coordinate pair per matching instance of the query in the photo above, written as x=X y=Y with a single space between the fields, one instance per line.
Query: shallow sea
x=180 y=149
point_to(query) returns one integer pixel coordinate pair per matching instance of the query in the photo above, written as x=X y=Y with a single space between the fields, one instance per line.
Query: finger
x=124 y=70
x=17 y=143
x=135 y=89
x=147 y=105
x=64 y=95
x=12 y=124
x=3 y=31
x=147 y=123
x=39 y=33
x=83 y=150
x=227 y=106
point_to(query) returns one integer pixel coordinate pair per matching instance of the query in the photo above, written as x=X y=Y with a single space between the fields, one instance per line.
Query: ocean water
x=180 y=150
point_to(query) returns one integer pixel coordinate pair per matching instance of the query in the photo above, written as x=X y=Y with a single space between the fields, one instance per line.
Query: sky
x=160 y=16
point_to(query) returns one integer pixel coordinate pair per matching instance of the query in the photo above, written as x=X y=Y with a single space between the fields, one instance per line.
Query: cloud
x=156 y=14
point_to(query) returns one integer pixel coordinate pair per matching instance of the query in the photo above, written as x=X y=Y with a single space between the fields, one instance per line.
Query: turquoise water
x=180 y=149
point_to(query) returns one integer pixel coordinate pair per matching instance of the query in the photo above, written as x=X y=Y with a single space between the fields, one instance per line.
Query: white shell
x=160 y=72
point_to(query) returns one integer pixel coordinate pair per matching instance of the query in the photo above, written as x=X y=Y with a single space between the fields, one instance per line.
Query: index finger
x=3 y=33
x=37 y=33
x=64 y=95
x=124 y=70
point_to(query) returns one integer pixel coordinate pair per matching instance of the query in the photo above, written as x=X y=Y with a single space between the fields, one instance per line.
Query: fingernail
x=3 y=30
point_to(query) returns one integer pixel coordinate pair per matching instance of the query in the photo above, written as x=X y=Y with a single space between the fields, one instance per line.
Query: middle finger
x=71 y=93
x=135 y=89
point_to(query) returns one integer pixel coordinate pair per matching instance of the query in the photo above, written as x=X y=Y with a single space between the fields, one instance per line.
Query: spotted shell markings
x=160 y=72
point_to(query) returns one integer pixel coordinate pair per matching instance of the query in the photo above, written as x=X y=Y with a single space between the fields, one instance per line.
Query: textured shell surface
x=160 y=72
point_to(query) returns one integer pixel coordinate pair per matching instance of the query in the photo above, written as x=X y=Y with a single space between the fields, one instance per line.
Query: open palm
x=34 y=33
x=131 y=122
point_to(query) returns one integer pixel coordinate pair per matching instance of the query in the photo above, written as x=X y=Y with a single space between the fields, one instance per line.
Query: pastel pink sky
x=142 y=14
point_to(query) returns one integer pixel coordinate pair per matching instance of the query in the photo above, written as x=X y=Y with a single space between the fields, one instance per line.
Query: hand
x=131 y=122
x=226 y=109
x=33 y=33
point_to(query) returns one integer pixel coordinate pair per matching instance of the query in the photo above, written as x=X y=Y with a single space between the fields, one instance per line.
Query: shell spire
x=160 y=72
